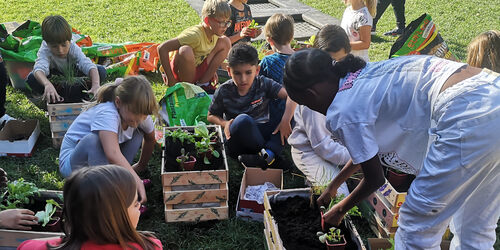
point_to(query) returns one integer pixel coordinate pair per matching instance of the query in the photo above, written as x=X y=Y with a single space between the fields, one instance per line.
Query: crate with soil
x=292 y=220
x=194 y=174
x=46 y=204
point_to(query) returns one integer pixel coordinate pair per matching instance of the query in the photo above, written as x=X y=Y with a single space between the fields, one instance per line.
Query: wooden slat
x=196 y=196
x=194 y=177
x=65 y=108
x=196 y=214
x=60 y=126
x=13 y=238
x=56 y=142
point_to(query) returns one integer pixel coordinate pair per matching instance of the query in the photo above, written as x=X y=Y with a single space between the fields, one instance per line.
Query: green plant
x=45 y=216
x=204 y=147
x=19 y=192
x=311 y=40
x=319 y=185
x=354 y=211
x=183 y=157
x=253 y=24
x=181 y=135
x=332 y=236
x=201 y=130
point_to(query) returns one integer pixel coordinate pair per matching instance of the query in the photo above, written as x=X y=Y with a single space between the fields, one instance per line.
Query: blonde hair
x=484 y=51
x=279 y=27
x=135 y=93
x=216 y=8
x=372 y=6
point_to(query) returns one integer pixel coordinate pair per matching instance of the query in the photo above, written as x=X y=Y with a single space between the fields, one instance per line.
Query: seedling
x=19 y=192
x=45 y=216
x=311 y=40
x=332 y=236
x=354 y=211
x=203 y=147
x=185 y=160
x=201 y=130
x=181 y=135
x=183 y=157
x=253 y=25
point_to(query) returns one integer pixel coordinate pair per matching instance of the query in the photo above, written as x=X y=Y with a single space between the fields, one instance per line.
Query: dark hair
x=310 y=66
x=55 y=30
x=243 y=54
x=332 y=38
x=96 y=200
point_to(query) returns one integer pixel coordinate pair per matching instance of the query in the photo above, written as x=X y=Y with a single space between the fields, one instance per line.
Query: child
x=101 y=211
x=420 y=114
x=399 y=12
x=484 y=51
x=113 y=130
x=58 y=54
x=313 y=149
x=241 y=107
x=4 y=80
x=241 y=17
x=199 y=50
x=357 y=22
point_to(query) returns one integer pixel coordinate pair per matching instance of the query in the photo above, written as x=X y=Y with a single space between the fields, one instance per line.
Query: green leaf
x=206 y=161
x=215 y=153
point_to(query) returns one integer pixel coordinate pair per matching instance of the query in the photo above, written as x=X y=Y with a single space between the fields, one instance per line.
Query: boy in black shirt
x=241 y=107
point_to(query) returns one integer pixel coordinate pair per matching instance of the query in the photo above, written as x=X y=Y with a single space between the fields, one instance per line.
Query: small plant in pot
x=201 y=131
x=396 y=177
x=354 y=211
x=333 y=239
x=254 y=29
x=205 y=150
x=47 y=219
x=186 y=161
x=177 y=139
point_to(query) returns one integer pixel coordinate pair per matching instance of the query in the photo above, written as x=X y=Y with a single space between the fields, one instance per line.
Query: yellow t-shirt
x=196 y=38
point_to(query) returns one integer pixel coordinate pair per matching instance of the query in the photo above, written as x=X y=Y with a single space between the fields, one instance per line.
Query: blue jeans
x=249 y=137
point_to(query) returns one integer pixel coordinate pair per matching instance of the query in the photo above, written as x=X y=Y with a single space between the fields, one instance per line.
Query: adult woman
x=423 y=115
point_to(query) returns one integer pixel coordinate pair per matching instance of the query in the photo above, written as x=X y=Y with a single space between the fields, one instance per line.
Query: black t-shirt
x=240 y=19
x=227 y=102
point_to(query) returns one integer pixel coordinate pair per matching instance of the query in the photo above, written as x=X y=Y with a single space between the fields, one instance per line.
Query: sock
x=268 y=155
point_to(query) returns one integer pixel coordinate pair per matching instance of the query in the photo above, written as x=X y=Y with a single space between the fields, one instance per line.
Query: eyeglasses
x=223 y=24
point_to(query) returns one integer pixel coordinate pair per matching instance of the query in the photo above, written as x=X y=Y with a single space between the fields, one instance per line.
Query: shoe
x=253 y=160
x=394 y=32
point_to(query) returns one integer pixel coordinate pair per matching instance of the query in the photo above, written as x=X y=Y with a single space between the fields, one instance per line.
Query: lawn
x=113 y=21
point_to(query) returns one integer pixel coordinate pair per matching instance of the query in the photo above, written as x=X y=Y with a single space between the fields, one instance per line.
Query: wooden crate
x=394 y=198
x=271 y=232
x=10 y=239
x=61 y=115
x=383 y=210
x=193 y=196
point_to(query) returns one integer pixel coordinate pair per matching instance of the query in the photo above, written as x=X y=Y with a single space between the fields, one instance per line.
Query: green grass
x=113 y=21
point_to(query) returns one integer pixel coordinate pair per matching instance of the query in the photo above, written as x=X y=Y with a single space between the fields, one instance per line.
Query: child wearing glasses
x=195 y=54
x=241 y=17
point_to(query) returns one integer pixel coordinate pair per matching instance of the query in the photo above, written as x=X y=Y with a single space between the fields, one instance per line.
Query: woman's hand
x=50 y=94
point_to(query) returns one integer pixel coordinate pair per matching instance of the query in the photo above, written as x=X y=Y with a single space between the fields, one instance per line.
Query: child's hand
x=327 y=195
x=141 y=191
x=50 y=94
x=285 y=130
x=227 y=133
x=245 y=32
x=93 y=90
x=19 y=219
x=334 y=216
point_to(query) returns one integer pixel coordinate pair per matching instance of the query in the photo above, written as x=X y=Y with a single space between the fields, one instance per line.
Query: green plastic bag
x=421 y=37
x=184 y=104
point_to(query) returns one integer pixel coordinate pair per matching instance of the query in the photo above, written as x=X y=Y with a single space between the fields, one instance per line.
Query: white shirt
x=46 y=60
x=352 y=21
x=386 y=109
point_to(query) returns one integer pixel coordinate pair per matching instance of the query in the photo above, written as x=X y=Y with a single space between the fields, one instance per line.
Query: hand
x=137 y=168
x=141 y=191
x=20 y=219
x=227 y=133
x=285 y=130
x=334 y=216
x=94 y=89
x=327 y=195
x=245 y=32
x=50 y=94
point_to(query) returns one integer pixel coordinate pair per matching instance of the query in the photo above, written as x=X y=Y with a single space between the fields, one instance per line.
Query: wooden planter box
x=61 y=115
x=271 y=232
x=193 y=196
x=10 y=239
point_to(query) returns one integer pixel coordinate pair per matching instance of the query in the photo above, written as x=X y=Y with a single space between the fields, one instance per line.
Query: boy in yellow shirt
x=200 y=49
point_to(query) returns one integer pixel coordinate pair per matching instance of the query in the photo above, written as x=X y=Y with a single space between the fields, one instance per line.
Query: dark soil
x=298 y=224
x=39 y=205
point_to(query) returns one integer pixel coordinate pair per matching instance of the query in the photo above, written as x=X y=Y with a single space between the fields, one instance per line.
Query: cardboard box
x=193 y=196
x=273 y=238
x=249 y=209
x=26 y=131
x=382 y=208
x=394 y=198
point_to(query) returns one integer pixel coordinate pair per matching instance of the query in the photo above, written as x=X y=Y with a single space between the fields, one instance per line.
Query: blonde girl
x=112 y=131
x=357 y=22
x=484 y=51
x=100 y=211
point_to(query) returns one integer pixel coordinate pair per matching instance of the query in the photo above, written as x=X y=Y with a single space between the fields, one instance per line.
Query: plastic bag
x=184 y=104
x=421 y=37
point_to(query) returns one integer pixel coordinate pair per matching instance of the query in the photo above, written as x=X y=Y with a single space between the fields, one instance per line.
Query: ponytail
x=350 y=63
x=372 y=6
x=106 y=92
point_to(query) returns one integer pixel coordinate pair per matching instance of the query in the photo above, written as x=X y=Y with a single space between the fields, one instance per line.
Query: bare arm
x=95 y=79
x=364 y=38
x=284 y=127
x=331 y=191
x=148 y=145
x=109 y=141
x=219 y=121
x=163 y=52
x=50 y=94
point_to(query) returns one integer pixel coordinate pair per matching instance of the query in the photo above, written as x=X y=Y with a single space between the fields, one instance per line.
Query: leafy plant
x=183 y=157
x=45 y=216
x=322 y=183
x=19 y=192
x=354 y=211
x=311 y=40
x=332 y=236
x=181 y=135
x=201 y=130
x=204 y=147
x=253 y=24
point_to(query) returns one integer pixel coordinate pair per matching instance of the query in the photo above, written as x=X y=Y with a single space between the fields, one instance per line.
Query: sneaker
x=394 y=32
x=253 y=160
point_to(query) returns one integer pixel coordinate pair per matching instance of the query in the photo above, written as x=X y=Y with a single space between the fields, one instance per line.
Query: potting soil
x=298 y=224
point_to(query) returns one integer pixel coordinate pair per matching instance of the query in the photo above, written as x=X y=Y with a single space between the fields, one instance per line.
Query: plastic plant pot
x=336 y=246
x=253 y=32
x=189 y=164
x=396 y=179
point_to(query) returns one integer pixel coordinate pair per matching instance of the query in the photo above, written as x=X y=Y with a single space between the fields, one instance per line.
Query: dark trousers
x=4 y=80
x=38 y=88
x=249 y=137
x=399 y=11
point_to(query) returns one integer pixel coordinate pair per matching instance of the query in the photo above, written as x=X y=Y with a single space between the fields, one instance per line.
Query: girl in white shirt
x=357 y=22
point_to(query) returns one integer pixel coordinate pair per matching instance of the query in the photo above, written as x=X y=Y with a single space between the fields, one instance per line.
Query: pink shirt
x=41 y=245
